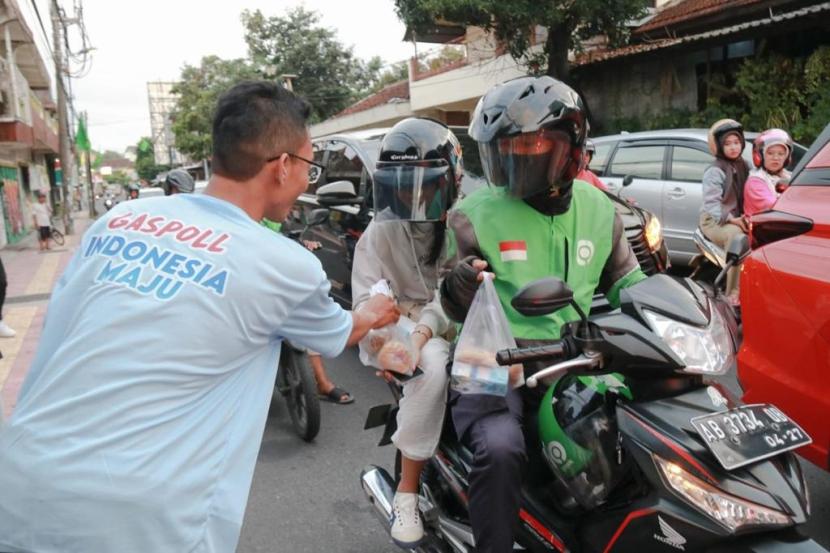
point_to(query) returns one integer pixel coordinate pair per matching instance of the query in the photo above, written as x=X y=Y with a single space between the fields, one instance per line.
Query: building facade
x=28 y=121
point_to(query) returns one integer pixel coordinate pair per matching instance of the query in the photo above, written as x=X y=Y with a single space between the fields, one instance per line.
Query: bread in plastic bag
x=389 y=348
x=485 y=332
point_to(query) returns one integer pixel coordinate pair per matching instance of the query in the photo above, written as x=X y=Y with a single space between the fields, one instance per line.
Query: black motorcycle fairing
x=680 y=299
x=631 y=347
x=663 y=426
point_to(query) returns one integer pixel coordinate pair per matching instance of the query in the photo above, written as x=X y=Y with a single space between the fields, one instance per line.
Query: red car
x=785 y=299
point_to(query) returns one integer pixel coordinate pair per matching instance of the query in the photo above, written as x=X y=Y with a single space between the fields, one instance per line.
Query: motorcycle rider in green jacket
x=535 y=220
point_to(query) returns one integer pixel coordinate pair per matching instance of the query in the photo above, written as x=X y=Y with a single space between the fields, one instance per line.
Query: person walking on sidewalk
x=5 y=330
x=138 y=424
x=42 y=218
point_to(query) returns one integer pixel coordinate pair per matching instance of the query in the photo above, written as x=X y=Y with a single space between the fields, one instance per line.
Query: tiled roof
x=593 y=56
x=395 y=91
x=687 y=10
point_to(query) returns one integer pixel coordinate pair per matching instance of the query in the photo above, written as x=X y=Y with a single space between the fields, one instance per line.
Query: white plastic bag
x=390 y=347
x=485 y=332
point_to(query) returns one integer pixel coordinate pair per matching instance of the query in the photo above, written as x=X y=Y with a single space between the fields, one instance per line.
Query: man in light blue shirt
x=138 y=425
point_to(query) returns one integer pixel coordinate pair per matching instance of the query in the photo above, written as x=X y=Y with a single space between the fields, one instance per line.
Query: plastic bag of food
x=389 y=348
x=485 y=332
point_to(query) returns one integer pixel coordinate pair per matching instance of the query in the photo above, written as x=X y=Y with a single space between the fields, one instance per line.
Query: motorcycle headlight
x=654 y=233
x=704 y=350
x=732 y=512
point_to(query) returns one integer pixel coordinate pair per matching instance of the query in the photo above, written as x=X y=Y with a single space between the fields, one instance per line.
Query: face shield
x=412 y=191
x=529 y=163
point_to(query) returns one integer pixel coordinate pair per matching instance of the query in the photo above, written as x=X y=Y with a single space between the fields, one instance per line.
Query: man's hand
x=377 y=312
x=383 y=308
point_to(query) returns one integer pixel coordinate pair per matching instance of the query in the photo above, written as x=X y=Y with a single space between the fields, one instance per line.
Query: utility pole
x=63 y=127
x=88 y=153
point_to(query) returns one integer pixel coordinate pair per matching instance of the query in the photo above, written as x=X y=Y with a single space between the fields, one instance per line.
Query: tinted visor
x=528 y=163
x=412 y=191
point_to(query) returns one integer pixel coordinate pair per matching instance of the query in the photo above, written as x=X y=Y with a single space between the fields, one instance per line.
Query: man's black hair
x=255 y=121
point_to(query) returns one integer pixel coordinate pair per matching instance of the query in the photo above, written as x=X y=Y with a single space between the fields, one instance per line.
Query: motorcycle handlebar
x=513 y=356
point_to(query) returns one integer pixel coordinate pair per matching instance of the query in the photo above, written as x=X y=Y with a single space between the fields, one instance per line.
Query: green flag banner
x=81 y=137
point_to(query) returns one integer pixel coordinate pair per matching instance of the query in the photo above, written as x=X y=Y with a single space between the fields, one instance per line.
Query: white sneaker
x=407 y=530
x=6 y=331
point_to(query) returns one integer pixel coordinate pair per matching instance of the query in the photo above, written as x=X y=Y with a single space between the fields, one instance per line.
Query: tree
x=514 y=23
x=199 y=89
x=327 y=73
x=145 y=160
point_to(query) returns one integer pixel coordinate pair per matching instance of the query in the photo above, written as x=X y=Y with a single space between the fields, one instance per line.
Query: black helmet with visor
x=531 y=132
x=418 y=171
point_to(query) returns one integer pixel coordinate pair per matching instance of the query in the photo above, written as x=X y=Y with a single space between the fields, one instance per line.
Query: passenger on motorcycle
x=536 y=220
x=772 y=151
x=586 y=174
x=721 y=215
x=404 y=244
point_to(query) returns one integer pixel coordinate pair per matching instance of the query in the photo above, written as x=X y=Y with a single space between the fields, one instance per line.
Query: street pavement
x=304 y=497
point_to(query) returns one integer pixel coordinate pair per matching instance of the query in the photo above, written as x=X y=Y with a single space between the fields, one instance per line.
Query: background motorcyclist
x=535 y=221
x=586 y=174
x=178 y=181
x=416 y=181
x=133 y=191
x=721 y=214
x=771 y=153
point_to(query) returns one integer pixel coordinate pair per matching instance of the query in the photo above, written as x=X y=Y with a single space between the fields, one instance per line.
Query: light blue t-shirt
x=139 y=423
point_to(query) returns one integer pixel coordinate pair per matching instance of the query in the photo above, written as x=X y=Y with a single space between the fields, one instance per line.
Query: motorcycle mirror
x=542 y=297
x=738 y=246
x=627 y=180
x=338 y=193
x=317 y=217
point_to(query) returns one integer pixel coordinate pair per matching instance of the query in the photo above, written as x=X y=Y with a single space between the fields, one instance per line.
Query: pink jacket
x=588 y=176
x=759 y=191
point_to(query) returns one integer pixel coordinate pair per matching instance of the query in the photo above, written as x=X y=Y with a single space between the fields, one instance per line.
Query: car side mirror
x=627 y=180
x=338 y=193
x=542 y=297
x=317 y=217
x=737 y=248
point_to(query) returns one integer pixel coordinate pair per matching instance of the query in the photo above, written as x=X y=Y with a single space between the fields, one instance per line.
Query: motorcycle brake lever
x=589 y=360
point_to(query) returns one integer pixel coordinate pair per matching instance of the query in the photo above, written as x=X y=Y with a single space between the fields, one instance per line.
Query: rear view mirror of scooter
x=542 y=297
x=736 y=250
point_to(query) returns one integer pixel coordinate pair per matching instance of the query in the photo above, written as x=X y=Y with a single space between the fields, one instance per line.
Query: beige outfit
x=398 y=251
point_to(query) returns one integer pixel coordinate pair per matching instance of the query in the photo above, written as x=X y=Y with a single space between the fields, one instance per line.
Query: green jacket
x=585 y=246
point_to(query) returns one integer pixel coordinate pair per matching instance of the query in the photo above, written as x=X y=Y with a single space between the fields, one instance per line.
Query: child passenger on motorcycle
x=721 y=215
x=771 y=153
x=415 y=183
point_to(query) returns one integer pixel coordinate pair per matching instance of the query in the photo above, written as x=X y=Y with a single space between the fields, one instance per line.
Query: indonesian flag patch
x=513 y=250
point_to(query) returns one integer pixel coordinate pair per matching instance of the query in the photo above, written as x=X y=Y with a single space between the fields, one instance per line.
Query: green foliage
x=770 y=91
x=773 y=87
x=514 y=21
x=145 y=160
x=117 y=177
x=327 y=73
x=199 y=88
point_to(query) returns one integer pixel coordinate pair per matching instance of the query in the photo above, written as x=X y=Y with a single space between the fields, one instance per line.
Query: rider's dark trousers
x=498 y=447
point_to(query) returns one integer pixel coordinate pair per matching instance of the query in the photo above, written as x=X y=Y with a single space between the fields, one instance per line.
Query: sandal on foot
x=337 y=395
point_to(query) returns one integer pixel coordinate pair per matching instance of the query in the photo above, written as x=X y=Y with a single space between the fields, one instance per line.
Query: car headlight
x=654 y=233
x=732 y=512
x=703 y=350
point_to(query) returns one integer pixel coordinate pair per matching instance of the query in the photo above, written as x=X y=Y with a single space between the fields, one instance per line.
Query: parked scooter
x=657 y=457
x=295 y=379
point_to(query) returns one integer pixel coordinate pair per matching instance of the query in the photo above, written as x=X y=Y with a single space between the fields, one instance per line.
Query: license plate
x=749 y=433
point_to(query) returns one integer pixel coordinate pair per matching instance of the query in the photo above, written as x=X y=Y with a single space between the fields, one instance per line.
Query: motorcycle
x=295 y=379
x=663 y=459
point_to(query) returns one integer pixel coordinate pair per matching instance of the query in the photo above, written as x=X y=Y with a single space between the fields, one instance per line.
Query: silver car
x=667 y=168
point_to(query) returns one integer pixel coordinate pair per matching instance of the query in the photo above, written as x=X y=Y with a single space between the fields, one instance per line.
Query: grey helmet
x=531 y=133
x=180 y=180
